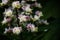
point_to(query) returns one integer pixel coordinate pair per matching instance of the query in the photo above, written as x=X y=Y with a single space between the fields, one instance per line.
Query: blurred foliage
x=50 y=9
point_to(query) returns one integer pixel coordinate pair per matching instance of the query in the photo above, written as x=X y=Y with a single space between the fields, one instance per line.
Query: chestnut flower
x=6 y=20
x=8 y=12
x=38 y=5
x=45 y=22
x=17 y=30
x=16 y=4
x=7 y=30
x=4 y=2
x=32 y=28
x=36 y=18
x=23 y=18
x=39 y=13
x=23 y=2
x=27 y=8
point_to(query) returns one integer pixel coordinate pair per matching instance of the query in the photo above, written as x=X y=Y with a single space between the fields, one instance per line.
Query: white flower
x=32 y=28
x=39 y=13
x=7 y=30
x=23 y=7
x=16 y=4
x=27 y=8
x=17 y=30
x=38 y=5
x=36 y=17
x=4 y=21
x=45 y=22
x=23 y=18
x=8 y=12
x=23 y=2
x=5 y=1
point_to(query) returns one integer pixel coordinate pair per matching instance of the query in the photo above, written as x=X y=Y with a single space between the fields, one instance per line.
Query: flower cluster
x=31 y=27
x=23 y=18
x=16 y=4
x=8 y=12
x=15 y=30
x=22 y=14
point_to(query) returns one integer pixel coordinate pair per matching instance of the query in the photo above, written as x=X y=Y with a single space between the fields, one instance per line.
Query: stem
x=17 y=17
x=18 y=23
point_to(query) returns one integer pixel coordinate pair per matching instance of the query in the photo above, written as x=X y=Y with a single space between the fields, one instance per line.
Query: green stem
x=18 y=23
